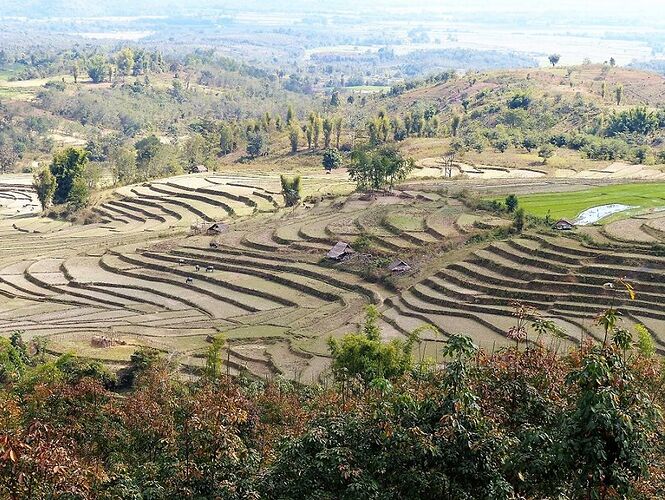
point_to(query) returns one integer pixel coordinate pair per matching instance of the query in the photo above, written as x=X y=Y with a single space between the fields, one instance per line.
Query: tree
x=546 y=152
x=454 y=124
x=618 y=94
x=327 y=132
x=257 y=144
x=530 y=142
x=97 y=68
x=309 y=135
x=290 y=190
x=642 y=154
x=501 y=142
x=195 y=151
x=67 y=166
x=634 y=121
x=612 y=62
x=123 y=164
x=92 y=174
x=214 y=357
x=608 y=431
x=177 y=91
x=554 y=59
x=44 y=183
x=147 y=150
x=316 y=130
x=365 y=356
x=334 y=99
x=519 y=220
x=78 y=194
x=331 y=159
x=374 y=169
x=519 y=100
x=511 y=203
x=140 y=362
x=227 y=139
x=125 y=61
x=339 y=123
x=290 y=115
x=294 y=136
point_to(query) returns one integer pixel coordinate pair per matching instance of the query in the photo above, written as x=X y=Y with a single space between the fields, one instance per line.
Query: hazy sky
x=646 y=8
x=630 y=12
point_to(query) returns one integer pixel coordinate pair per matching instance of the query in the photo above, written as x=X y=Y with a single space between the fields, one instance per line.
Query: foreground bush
x=526 y=422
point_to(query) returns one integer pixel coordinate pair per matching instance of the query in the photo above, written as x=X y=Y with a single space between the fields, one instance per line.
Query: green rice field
x=570 y=204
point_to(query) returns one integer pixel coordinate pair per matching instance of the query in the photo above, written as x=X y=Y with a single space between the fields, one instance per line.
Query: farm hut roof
x=563 y=223
x=398 y=266
x=340 y=250
x=217 y=227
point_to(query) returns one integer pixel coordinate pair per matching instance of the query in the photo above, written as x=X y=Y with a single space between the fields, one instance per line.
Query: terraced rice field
x=142 y=276
x=559 y=277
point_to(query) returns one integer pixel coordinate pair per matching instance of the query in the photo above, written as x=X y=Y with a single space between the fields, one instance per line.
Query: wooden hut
x=198 y=169
x=563 y=225
x=340 y=251
x=398 y=266
x=216 y=229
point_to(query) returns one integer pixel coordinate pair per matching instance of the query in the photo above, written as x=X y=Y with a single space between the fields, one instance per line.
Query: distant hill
x=640 y=87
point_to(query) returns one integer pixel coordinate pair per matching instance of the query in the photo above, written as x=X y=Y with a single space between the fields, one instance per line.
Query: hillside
x=640 y=87
x=556 y=120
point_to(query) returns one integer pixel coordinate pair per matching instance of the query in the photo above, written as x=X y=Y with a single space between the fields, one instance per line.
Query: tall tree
x=290 y=190
x=123 y=164
x=228 y=141
x=257 y=144
x=316 y=132
x=327 y=132
x=294 y=136
x=339 y=124
x=44 y=184
x=75 y=71
x=554 y=59
x=125 y=61
x=214 y=357
x=67 y=166
x=79 y=193
x=309 y=134
x=618 y=94
x=454 y=124
x=97 y=68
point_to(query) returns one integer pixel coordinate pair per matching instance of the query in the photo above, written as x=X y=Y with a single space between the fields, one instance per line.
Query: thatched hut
x=563 y=225
x=398 y=266
x=340 y=251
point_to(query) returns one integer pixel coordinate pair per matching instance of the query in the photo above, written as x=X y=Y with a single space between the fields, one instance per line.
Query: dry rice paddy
x=146 y=274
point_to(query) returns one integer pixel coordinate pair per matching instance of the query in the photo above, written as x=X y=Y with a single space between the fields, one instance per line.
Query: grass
x=570 y=204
